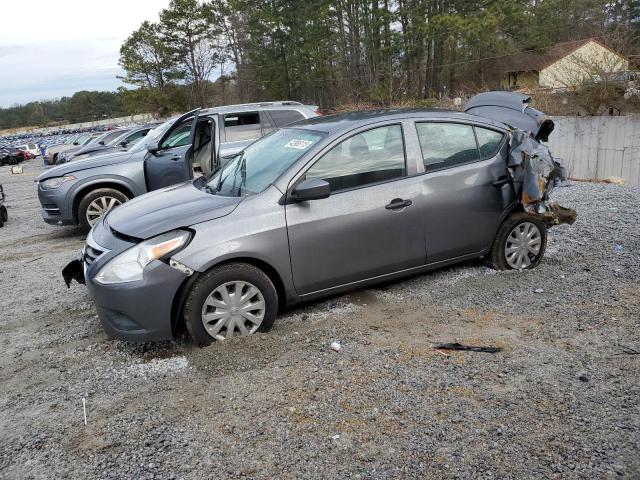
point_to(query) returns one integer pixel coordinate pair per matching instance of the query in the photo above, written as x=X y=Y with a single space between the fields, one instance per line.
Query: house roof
x=534 y=62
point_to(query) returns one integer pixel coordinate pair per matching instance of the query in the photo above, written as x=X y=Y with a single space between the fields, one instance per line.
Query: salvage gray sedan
x=327 y=205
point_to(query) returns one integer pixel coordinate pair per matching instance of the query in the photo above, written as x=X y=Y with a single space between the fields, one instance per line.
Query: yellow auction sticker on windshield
x=298 y=144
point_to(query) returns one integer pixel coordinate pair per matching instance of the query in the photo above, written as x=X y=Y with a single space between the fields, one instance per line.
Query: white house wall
x=588 y=60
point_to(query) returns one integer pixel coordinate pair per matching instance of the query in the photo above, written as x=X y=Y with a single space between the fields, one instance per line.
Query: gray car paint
x=127 y=170
x=314 y=248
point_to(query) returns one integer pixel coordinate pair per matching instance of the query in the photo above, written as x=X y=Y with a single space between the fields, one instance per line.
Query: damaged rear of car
x=534 y=172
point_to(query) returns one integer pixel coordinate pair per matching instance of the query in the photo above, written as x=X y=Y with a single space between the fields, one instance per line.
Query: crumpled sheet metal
x=535 y=173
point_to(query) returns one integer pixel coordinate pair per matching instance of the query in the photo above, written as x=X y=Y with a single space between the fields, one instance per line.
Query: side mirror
x=76 y=143
x=101 y=142
x=311 y=189
x=153 y=148
x=124 y=143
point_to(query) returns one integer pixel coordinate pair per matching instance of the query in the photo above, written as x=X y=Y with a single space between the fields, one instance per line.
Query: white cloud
x=53 y=48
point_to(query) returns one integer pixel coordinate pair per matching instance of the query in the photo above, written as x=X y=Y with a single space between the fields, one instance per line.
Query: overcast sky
x=52 y=48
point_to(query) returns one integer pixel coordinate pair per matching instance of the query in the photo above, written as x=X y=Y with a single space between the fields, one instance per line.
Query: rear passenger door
x=371 y=225
x=463 y=183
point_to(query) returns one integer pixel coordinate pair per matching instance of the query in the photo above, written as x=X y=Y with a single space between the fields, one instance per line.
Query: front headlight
x=51 y=183
x=129 y=265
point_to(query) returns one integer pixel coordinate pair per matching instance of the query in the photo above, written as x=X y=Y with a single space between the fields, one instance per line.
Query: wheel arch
x=79 y=194
x=181 y=296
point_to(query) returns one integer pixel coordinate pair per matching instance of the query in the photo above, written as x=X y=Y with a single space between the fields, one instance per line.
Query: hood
x=90 y=148
x=513 y=109
x=173 y=207
x=61 y=148
x=76 y=166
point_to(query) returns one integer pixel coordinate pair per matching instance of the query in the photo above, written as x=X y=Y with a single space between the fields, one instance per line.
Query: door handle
x=502 y=180
x=175 y=158
x=398 y=203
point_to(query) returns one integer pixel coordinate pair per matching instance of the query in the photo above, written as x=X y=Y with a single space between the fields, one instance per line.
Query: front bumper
x=138 y=311
x=55 y=208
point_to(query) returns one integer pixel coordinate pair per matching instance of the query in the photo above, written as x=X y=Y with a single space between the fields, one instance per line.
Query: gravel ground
x=560 y=401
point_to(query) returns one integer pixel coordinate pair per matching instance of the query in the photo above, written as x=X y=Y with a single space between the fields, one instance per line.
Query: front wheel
x=233 y=299
x=97 y=203
x=519 y=244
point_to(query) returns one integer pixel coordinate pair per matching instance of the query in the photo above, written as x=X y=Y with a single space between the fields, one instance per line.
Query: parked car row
x=313 y=208
x=13 y=155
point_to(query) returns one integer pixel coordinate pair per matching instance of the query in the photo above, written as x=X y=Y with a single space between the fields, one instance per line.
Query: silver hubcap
x=234 y=307
x=99 y=207
x=523 y=245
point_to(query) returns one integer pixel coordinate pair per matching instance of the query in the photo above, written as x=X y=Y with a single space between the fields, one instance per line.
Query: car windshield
x=261 y=163
x=153 y=135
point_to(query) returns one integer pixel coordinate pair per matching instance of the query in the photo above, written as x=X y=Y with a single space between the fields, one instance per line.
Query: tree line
x=332 y=52
x=82 y=106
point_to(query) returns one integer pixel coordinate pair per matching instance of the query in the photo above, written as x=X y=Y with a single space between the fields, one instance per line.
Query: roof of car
x=243 y=107
x=345 y=121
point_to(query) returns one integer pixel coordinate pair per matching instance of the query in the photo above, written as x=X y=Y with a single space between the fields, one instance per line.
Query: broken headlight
x=129 y=265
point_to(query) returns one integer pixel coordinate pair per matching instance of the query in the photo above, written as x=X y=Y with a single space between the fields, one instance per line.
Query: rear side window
x=285 y=117
x=446 y=144
x=369 y=157
x=242 y=126
x=488 y=141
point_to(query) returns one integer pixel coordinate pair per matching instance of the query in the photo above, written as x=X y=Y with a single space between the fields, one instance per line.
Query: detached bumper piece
x=74 y=271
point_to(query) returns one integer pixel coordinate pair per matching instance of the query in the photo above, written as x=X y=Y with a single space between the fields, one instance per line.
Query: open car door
x=170 y=160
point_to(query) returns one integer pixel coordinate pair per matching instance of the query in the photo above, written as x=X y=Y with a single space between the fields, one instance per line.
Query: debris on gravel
x=561 y=399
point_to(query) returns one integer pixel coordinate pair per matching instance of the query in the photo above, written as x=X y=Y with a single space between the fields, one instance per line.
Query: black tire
x=497 y=258
x=4 y=215
x=217 y=277
x=54 y=160
x=83 y=206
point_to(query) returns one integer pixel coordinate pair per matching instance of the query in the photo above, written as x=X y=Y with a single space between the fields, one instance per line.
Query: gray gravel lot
x=560 y=401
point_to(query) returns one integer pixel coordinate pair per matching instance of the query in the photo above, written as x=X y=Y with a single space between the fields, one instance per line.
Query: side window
x=178 y=138
x=446 y=144
x=134 y=137
x=285 y=117
x=488 y=141
x=369 y=157
x=242 y=126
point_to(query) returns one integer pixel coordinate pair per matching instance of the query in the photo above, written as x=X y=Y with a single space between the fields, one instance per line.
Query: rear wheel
x=97 y=203
x=230 y=300
x=519 y=244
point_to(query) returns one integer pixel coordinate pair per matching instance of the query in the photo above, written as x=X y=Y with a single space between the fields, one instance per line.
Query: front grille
x=91 y=254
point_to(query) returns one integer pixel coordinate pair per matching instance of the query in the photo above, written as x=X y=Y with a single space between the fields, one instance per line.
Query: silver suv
x=79 y=193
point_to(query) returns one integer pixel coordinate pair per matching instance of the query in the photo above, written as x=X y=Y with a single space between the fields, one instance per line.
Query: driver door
x=172 y=162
